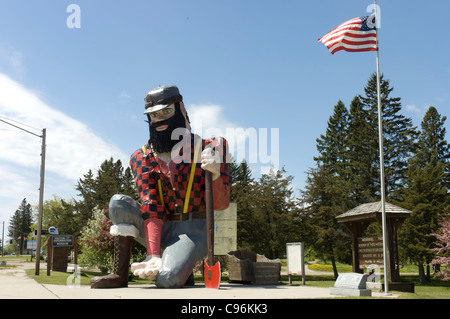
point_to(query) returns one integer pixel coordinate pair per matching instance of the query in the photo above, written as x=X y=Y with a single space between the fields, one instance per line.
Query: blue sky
x=248 y=65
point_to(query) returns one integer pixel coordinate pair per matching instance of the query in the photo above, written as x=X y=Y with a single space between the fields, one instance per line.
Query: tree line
x=346 y=174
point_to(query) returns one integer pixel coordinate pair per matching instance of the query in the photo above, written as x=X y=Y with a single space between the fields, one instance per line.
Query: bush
x=96 y=243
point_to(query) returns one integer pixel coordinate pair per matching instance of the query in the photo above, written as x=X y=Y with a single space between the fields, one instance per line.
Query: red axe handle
x=212 y=271
x=209 y=201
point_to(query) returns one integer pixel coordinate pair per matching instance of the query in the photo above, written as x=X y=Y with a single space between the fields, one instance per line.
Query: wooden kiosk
x=369 y=250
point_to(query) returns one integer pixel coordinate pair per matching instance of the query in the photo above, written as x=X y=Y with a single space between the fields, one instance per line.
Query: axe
x=212 y=271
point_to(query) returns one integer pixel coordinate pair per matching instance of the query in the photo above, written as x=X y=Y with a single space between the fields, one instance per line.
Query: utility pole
x=41 y=204
x=3 y=238
x=41 y=192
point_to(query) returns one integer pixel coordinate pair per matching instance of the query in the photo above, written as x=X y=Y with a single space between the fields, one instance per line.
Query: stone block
x=351 y=284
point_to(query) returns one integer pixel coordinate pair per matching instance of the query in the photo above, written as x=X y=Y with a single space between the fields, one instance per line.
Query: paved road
x=14 y=284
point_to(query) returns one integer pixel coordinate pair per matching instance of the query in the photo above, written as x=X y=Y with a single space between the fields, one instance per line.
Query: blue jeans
x=182 y=243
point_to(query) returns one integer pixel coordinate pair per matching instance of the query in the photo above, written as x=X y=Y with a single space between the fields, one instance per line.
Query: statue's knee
x=124 y=210
x=122 y=202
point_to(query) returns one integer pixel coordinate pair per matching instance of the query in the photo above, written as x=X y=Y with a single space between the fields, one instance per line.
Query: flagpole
x=382 y=178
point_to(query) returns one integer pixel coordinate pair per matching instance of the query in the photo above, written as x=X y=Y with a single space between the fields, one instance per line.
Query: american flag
x=355 y=35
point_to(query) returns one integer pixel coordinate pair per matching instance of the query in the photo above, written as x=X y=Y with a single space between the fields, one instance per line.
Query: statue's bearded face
x=162 y=124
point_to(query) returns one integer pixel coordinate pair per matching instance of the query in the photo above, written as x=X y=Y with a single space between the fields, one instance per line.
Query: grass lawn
x=436 y=289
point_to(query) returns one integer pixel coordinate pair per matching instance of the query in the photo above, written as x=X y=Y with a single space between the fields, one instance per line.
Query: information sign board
x=295 y=260
x=370 y=251
x=62 y=240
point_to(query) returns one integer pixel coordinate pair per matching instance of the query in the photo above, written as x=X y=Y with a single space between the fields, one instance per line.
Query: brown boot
x=119 y=277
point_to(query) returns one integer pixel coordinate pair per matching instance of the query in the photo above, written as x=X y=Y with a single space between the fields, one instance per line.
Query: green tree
x=241 y=193
x=432 y=145
x=61 y=214
x=362 y=145
x=426 y=194
x=323 y=200
x=96 y=191
x=328 y=189
x=398 y=136
x=332 y=146
x=265 y=211
x=91 y=211
x=273 y=214
x=20 y=224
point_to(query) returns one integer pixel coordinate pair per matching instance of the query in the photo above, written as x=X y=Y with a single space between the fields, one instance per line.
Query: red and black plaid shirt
x=148 y=169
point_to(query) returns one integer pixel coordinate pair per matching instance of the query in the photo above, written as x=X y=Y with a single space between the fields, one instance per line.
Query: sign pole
x=49 y=254
x=382 y=178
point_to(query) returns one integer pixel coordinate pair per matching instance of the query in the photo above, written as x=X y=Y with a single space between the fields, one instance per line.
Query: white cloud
x=413 y=108
x=208 y=120
x=72 y=148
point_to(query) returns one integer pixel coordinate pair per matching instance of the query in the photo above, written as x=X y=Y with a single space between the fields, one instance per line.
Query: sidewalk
x=14 y=284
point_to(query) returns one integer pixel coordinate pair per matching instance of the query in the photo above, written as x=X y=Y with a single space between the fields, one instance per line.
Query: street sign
x=53 y=230
x=62 y=241
x=31 y=244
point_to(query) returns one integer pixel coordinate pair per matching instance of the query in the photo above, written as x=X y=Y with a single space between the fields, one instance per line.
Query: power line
x=20 y=128
x=23 y=124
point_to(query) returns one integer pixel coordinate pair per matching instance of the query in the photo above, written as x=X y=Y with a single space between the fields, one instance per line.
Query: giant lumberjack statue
x=169 y=172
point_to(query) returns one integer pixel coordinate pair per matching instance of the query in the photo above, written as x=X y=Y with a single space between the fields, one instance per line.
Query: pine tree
x=332 y=146
x=86 y=188
x=347 y=170
x=398 y=135
x=323 y=200
x=242 y=194
x=328 y=190
x=426 y=194
x=273 y=219
x=20 y=223
x=96 y=191
x=361 y=143
x=432 y=143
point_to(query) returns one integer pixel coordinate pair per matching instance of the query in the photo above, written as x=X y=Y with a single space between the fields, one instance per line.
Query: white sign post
x=295 y=260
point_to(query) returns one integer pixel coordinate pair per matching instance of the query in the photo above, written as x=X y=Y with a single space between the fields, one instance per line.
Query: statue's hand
x=148 y=268
x=211 y=161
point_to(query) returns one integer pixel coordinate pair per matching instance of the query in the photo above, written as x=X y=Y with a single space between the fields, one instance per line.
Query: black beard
x=161 y=141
